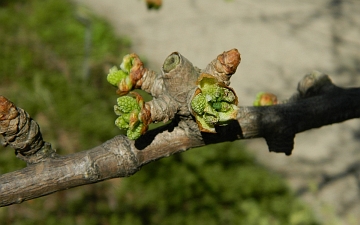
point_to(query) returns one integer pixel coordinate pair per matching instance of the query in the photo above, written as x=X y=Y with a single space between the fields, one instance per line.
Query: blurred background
x=54 y=58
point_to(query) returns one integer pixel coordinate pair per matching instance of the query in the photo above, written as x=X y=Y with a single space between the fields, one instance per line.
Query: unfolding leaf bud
x=265 y=99
x=133 y=116
x=213 y=102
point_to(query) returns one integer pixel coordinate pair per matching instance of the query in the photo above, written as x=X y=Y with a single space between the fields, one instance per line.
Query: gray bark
x=120 y=157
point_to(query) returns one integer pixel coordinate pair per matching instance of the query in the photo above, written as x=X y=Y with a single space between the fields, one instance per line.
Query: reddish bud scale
x=19 y=130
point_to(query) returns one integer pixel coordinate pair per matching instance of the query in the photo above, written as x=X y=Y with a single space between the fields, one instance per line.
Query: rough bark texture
x=317 y=103
x=120 y=157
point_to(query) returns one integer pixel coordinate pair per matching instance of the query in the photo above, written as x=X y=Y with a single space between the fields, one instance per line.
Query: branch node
x=123 y=150
x=92 y=173
x=45 y=153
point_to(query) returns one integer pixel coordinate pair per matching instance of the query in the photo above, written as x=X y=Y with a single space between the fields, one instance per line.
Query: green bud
x=221 y=106
x=115 y=76
x=205 y=124
x=210 y=110
x=134 y=133
x=130 y=110
x=127 y=63
x=117 y=110
x=228 y=115
x=228 y=96
x=214 y=104
x=126 y=104
x=121 y=123
x=265 y=99
x=211 y=119
x=198 y=104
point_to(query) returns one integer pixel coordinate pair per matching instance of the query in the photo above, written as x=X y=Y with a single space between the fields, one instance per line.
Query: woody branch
x=317 y=102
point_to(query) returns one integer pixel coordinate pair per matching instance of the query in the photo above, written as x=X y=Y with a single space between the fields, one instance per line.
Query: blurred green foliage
x=41 y=70
x=41 y=60
x=216 y=184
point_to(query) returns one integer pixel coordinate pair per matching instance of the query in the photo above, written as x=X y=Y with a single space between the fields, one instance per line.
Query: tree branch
x=278 y=124
x=118 y=157
x=317 y=103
